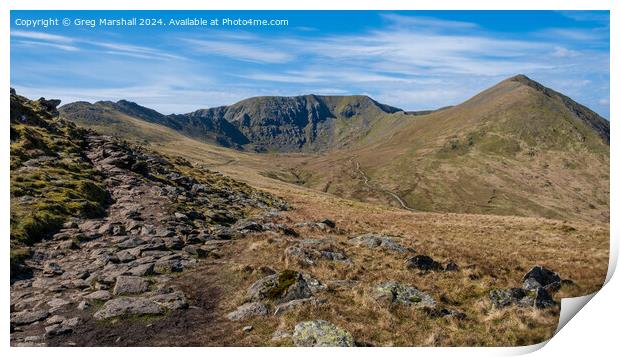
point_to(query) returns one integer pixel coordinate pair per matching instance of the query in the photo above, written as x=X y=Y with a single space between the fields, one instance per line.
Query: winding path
x=367 y=183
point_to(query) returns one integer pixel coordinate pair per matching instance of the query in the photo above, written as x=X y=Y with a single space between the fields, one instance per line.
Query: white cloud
x=41 y=36
x=47 y=44
x=241 y=51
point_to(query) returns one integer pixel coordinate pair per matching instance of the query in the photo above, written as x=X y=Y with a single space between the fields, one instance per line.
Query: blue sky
x=410 y=59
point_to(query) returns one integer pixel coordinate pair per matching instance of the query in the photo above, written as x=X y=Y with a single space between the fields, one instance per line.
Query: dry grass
x=492 y=251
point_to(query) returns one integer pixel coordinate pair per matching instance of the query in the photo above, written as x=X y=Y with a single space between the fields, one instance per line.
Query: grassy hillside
x=518 y=148
x=50 y=178
x=512 y=149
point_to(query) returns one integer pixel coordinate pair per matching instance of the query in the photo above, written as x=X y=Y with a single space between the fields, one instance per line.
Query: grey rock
x=396 y=293
x=130 y=243
x=52 y=269
x=197 y=251
x=99 y=295
x=130 y=285
x=72 y=322
x=56 y=303
x=126 y=306
x=171 y=301
x=539 y=298
x=142 y=270
x=247 y=311
x=320 y=333
x=57 y=329
x=56 y=319
x=377 y=241
x=164 y=266
x=295 y=304
x=278 y=288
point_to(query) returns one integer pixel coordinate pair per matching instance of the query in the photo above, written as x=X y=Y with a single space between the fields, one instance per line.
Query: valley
x=306 y=221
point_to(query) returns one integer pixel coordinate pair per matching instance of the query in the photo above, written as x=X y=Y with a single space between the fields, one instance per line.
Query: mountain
x=284 y=124
x=206 y=125
x=179 y=242
x=516 y=148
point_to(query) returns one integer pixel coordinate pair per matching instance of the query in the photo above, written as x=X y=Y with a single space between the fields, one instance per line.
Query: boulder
x=128 y=306
x=541 y=277
x=248 y=225
x=295 y=304
x=423 y=262
x=278 y=288
x=248 y=310
x=539 y=298
x=320 y=333
x=396 y=293
x=130 y=285
x=174 y=300
x=27 y=317
x=52 y=269
x=377 y=241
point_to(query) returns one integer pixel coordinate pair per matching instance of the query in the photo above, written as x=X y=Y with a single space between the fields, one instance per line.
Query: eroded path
x=123 y=264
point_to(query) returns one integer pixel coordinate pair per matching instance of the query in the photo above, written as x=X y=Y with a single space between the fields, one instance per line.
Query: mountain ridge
x=516 y=148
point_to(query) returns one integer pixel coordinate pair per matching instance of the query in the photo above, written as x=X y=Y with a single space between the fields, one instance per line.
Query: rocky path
x=121 y=265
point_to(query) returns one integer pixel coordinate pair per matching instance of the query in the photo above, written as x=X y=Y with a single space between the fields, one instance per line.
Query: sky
x=414 y=60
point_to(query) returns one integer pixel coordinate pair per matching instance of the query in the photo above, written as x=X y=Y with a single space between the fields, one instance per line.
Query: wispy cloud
x=421 y=22
x=47 y=44
x=81 y=44
x=42 y=36
x=241 y=51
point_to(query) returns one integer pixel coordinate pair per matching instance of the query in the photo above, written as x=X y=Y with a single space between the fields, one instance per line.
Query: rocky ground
x=123 y=265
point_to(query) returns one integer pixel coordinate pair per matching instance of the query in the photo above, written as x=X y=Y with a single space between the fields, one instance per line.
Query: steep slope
x=516 y=148
x=308 y=123
x=284 y=124
x=61 y=172
x=125 y=119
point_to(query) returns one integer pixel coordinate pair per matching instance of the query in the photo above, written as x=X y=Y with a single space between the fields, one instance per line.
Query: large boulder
x=541 y=277
x=377 y=241
x=278 y=288
x=128 y=306
x=396 y=293
x=320 y=333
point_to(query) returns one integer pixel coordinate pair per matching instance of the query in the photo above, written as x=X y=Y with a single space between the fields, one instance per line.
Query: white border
x=594 y=329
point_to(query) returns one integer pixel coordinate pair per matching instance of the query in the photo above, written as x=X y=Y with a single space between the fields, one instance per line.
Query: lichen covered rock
x=320 y=333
